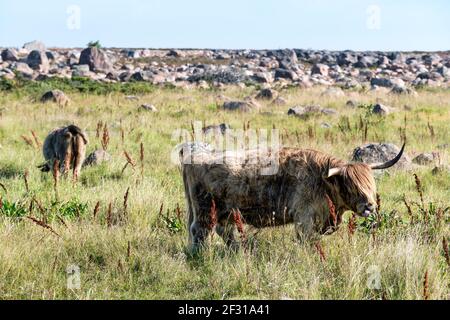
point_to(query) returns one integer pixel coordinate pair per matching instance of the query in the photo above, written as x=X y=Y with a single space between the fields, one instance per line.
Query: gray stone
x=307 y=111
x=55 y=96
x=423 y=159
x=148 y=107
x=213 y=129
x=382 y=82
x=267 y=94
x=23 y=69
x=244 y=106
x=279 y=101
x=96 y=58
x=9 y=55
x=37 y=60
x=403 y=90
x=381 y=109
x=441 y=169
x=34 y=45
x=379 y=153
x=285 y=74
x=262 y=77
x=97 y=157
x=321 y=69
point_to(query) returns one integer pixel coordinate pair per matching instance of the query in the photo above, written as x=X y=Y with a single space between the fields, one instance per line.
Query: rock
x=279 y=101
x=346 y=59
x=423 y=159
x=148 y=107
x=333 y=92
x=97 y=157
x=23 y=69
x=381 y=109
x=321 y=69
x=351 y=104
x=55 y=96
x=221 y=128
x=386 y=82
x=96 y=59
x=9 y=55
x=285 y=74
x=403 y=90
x=37 y=60
x=34 y=45
x=287 y=59
x=262 y=77
x=81 y=70
x=440 y=169
x=244 y=106
x=443 y=70
x=307 y=111
x=366 y=62
x=379 y=153
x=267 y=94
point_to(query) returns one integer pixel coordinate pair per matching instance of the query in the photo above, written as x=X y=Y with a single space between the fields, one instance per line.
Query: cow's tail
x=79 y=141
x=76 y=131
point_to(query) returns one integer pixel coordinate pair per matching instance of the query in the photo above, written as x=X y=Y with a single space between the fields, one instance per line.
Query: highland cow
x=67 y=145
x=298 y=192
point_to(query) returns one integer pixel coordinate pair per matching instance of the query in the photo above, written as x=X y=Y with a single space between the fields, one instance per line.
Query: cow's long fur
x=297 y=193
x=68 y=146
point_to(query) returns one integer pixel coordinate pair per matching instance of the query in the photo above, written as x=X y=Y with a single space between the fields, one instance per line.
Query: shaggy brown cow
x=68 y=146
x=296 y=193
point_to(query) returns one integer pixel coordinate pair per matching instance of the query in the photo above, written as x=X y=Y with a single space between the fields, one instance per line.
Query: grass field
x=138 y=252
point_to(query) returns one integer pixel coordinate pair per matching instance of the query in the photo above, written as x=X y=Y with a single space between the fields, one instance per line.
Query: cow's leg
x=227 y=231
x=198 y=233
x=199 y=224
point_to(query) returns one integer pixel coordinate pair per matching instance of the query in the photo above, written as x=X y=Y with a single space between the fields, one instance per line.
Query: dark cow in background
x=67 y=145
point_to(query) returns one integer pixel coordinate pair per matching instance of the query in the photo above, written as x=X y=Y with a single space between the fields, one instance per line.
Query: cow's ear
x=330 y=171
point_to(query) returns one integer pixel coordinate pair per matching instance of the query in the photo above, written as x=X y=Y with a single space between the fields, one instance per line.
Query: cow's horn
x=389 y=163
x=331 y=171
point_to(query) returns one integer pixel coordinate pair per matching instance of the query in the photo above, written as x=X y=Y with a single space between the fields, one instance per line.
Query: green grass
x=141 y=255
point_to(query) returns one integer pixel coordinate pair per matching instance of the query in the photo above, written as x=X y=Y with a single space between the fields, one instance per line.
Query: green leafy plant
x=12 y=209
x=94 y=44
x=72 y=209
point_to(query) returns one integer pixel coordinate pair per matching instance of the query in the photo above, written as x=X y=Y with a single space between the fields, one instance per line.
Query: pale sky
x=235 y=24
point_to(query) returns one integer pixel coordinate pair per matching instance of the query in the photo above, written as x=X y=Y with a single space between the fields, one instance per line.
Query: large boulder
x=216 y=129
x=423 y=159
x=23 y=69
x=381 y=109
x=97 y=157
x=9 y=55
x=386 y=82
x=305 y=112
x=37 y=60
x=379 y=153
x=55 y=96
x=320 y=68
x=243 y=106
x=34 y=45
x=96 y=58
x=267 y=94
x=285 y=74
